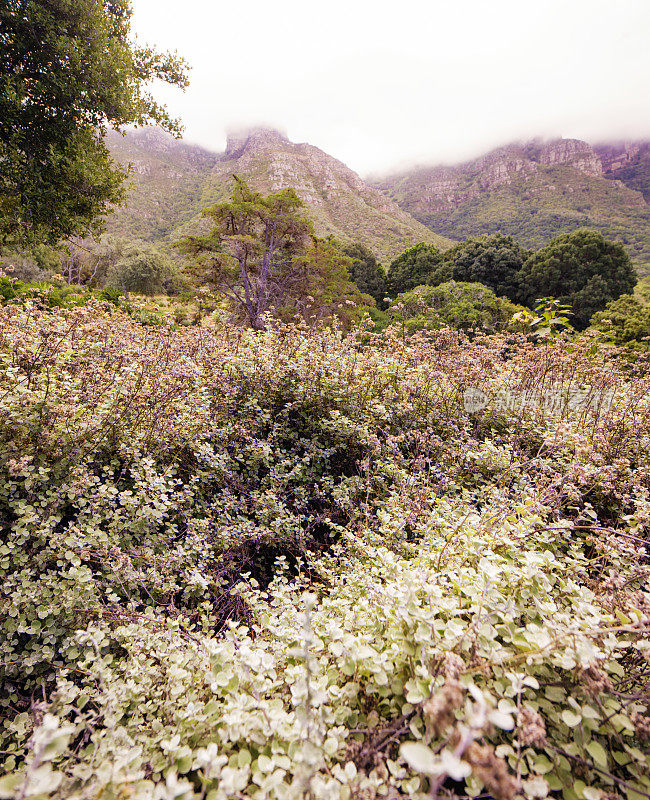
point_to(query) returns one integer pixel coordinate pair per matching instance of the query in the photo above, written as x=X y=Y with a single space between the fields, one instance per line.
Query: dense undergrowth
x=292 y=564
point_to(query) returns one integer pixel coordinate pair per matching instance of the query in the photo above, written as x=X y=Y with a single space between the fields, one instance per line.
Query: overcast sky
x=382 y=84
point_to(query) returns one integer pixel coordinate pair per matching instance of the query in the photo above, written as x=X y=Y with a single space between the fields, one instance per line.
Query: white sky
x=382 y=84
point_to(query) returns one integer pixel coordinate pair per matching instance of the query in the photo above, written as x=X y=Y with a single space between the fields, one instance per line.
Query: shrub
x=494 y=261
x=293 y=564
x=625 y=321
x=416 y=266
x=582 y=269
x=462 y=306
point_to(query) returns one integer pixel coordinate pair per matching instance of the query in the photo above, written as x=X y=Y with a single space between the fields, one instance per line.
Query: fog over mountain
x=378 y=85
x=534 y=191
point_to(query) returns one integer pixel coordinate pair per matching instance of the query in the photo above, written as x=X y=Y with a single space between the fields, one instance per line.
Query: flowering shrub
x=292 y=564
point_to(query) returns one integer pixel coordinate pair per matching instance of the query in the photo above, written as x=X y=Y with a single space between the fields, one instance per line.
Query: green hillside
x=165 y=185
x=559 y=201
x=172 y=182
x=529 y=197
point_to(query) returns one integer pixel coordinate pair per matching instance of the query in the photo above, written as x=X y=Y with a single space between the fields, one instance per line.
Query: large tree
x=582 y=269
x=494 y=261
x=367 y=272
x=416 y=266
x=261 y=254
x=68 y=72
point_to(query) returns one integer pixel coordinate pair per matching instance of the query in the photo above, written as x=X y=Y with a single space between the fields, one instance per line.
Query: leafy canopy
x=367 y=272
x=581 y=269
x=141 y=268
x=462 y=306
x=263 y=256
x=493 y=261
x=625 y=320
x=69 y=71
x=417 y=265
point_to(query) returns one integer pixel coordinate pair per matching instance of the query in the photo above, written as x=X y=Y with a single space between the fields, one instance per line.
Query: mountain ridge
x=534 y=191
x=178 y=180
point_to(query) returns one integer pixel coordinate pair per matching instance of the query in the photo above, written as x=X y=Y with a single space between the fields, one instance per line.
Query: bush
x=494 y=261
x=624 y=320
x=469 y=307
x=416 y=266
x=143 y=270
x=581 y=269
x=367 y=273
x=294 y=564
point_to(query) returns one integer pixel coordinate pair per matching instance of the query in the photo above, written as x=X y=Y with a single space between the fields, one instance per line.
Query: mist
x=382 y=86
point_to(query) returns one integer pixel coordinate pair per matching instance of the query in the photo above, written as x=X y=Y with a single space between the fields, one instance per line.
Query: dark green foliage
x=367 y=272
x=68 y=70
x=416 y=266
x=467 y=307
x=493 y=261
x=581 y=269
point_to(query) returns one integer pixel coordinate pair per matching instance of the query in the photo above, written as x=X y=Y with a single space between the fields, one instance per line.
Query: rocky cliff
x=173 y=181
x=534 y=191
x=628 y=162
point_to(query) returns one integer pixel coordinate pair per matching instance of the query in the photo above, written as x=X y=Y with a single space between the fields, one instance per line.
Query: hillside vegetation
x=165 y=184
x=172 y=182
x=532 y=193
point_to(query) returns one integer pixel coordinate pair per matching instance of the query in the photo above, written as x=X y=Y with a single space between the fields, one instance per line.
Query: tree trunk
x=256 y=323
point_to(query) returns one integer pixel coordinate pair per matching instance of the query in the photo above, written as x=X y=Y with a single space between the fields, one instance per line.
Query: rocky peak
x=435 y=189
x=525 y=157
x=617 y=155
x=255 y=139
x=573 y=153
x=338 y=201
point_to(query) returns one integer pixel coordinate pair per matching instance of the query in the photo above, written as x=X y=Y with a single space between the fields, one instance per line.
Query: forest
x=278 y=520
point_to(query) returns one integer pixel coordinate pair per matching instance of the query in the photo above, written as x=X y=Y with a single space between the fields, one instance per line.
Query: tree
x=367 y=272
x=416 y=266
x=467 y=307
x=326 y=290
x=68 y=71
x=142 y=269
x=582 y=269
x=263 y=256
x=494 y=261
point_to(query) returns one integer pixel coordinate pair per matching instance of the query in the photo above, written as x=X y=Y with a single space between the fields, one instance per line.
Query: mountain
x=534 y=191
x=173 y=181
x=166 y=183
x=628 y=162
